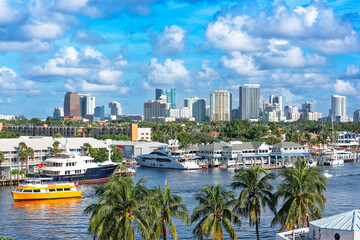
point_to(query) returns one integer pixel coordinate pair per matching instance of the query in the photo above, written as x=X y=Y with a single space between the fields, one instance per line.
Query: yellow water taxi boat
x=45 y=188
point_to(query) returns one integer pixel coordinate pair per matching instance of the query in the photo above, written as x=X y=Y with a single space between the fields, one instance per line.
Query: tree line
x=126 y=209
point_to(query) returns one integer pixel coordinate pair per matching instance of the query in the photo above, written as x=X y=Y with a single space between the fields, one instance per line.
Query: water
x=63 y=218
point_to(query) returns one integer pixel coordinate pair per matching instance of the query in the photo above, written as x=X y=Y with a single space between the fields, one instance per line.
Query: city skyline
x=309 y=51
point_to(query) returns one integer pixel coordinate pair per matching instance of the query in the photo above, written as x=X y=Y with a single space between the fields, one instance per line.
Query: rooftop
x=348 y=221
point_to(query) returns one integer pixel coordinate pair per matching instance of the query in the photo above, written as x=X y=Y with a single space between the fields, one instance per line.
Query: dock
x=11 y=182
x=124 y=173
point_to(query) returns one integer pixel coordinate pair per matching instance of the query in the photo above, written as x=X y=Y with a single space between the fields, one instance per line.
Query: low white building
x=212 y=153
x=288 y=151
x=144 y=134
x=134 y=149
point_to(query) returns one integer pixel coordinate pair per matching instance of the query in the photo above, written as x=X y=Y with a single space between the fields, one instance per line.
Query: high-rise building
x=307 y=107
x=58 y=113
x=207 y=112
x=276 y=101
x=115 y=109
x=87 y=105
x=171 y=97
x=249 y=101
x=290 y=109
x=197 y=108
x=220 y=105
x=72 y=105
x=155 y=110
x=357 y=116
x=338 y=108
x=158 y=93
x=99 y=114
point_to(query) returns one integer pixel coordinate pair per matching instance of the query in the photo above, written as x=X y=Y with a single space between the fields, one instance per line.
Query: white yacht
x=70 y=166
x=169 y=157
x=334 y=157
x=327 y=174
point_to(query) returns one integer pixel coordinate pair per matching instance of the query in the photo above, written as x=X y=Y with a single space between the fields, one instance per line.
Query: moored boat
x=45 y=188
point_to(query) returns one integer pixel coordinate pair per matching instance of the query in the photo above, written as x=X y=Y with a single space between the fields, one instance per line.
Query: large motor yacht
x=169 y=157
x=70 y=166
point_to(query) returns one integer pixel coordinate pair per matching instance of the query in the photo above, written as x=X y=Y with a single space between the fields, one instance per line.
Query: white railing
x=290 y=234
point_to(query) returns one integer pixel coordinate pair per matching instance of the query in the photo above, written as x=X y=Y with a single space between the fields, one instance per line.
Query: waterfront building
x=115 y=109
x=156 y=110
x=220 y=105
x=99 y=113
x=158 y=93
x=58 y=113
x=134 y=149
x=197 y=108
x=41 y=146
x=356 y=116
x=249 y=101
x=72 y=105
x=338 y=108
x=347 y=139
x=212 y=153
x=288 y=151
x=307 y=107
x=246 y=153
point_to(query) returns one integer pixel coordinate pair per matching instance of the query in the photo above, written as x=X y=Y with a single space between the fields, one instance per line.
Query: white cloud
x=43 y=30
x=207 y=73
x=83 y=85
x=11 y=83
x=227 y=33
x=7 y=14
x=352 y=71
x=345 y=88
x=171 y=42
x=170 y=73
x=241 y=64
x=28 y=46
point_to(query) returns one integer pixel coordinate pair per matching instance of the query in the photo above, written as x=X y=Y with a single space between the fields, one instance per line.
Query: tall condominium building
x=72 y=105
x=58 y=113
x=338 y=108
x=99 y=114
x=290 y=109
x=220 y=105
x=158 y=93
x=179 y=113
x=154 y=110
x=249 y=101
x=307 y=107
x=357 y=116
x=276 y=101
x=115 y=109
x=87 y=105
x=170 y=97
x=197 y=108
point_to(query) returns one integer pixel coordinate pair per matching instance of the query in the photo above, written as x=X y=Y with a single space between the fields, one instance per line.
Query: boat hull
x=19 y=196
x=91 y=175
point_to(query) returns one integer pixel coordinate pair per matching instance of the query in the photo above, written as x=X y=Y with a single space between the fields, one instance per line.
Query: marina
x=63 y=218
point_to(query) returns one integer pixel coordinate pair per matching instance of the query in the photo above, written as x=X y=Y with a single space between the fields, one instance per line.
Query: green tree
x=58 y=135
x=22 y=154
x=184 y=138
x=99 y=154
x=255 y=194
x=2 y=156
x=118 y=137
x=116 y=154
x=302 y=190
x=120 y=210
x=55 y=149
x=87 y=148
x=215 y=213
x=89 y=131
x=168 y=205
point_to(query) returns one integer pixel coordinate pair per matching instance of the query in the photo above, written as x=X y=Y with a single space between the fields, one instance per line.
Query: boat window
x=51 y=190
x=337 y=236
x=66 y=189
x=27 y=190
x=36 y=190
x=59 y=189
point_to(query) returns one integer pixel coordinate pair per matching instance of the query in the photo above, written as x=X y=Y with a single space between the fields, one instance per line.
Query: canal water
x=63 y=218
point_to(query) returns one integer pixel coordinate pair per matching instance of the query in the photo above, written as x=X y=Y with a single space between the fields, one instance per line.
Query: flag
x=41 y=165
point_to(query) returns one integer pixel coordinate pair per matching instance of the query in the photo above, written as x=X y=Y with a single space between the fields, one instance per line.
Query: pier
x=11 y=182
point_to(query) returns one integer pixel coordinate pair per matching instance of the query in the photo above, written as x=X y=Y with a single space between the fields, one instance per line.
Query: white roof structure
x=44 y=143
x=348 y=221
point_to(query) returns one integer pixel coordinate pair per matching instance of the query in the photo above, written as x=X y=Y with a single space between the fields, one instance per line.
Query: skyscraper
x=357 y=116
x=58 y=113
x=170 y=97
x=197 y=108
x=72 y=105
x=276 y=101
x=87 y=104
x=249 y=101
x=338 y=108
x=220 y=105
x=99 y=113
x=158 y=93
x=307 y=107
x=115 y=109
x=155 y=110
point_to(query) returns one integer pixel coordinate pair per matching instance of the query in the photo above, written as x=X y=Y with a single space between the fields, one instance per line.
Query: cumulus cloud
x=87 y=63
x=85 y=37
x=345 y=88
x=11 y=84
x=228 y=33
x=241 y=64
x=170 y=42
x=169 y=73
x=86 y=86
x=351 y=71
x=207 y=73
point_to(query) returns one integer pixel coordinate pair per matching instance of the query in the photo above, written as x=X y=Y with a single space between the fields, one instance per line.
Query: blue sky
x=123 y=50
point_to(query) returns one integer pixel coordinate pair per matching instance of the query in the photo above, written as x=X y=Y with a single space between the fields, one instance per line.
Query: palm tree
x=22 y=154
x=120 y=209
x=168 y=205
x=29 y=153
x=55 y=149
x=256 y=194
x=302 y=192
x=2 y=156
x=215 y=213
x=87 y=147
